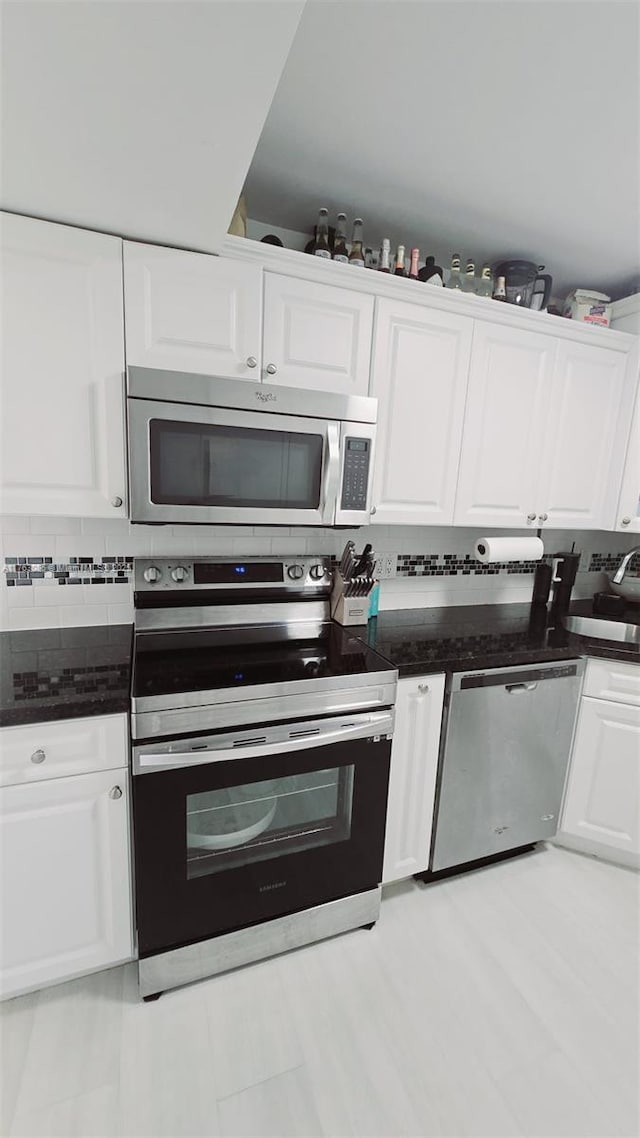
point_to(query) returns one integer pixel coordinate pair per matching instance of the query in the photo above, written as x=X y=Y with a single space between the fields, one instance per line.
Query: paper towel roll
x=489 y=549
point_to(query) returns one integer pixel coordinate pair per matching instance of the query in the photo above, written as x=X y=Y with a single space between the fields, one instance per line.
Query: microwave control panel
x=355 y=475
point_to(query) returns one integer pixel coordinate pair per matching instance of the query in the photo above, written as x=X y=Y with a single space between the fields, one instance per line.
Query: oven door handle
x=331 y=474
x=149 y=762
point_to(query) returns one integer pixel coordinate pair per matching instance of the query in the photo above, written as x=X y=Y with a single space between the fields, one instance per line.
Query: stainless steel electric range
x=261 y=745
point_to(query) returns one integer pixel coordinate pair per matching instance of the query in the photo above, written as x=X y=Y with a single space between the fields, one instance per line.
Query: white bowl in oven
x=249 y=820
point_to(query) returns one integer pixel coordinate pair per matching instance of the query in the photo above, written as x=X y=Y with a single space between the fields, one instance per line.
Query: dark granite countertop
x=67 y=673
x=419 y=641
x=64 y=673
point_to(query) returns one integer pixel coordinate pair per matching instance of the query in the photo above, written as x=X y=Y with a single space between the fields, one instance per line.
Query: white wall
x=46 y=604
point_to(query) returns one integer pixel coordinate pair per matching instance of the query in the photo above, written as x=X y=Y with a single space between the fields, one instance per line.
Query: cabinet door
x=503 y=427
x=412 y=784
x=65 y=879
x=602 y=801
x=583 y=446
x=62 y=371
x=628 y=515
x=192 y=312
x=316 y=336
x=419 y=376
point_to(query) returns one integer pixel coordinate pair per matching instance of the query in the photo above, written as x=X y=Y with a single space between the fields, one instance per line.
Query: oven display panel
x=230 y=573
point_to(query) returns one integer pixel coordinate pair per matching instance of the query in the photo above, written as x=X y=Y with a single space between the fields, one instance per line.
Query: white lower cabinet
x=601 y=811
x=412 y=783
x=65 y=872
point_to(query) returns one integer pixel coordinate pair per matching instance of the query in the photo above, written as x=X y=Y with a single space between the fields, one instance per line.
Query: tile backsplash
x=74 y=571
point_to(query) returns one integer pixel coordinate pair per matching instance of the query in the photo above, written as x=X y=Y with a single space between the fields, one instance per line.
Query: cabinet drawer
x=609 y=679
x=69 y=746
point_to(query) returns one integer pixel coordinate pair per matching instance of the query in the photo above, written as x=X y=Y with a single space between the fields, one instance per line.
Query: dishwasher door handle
x=515 y=689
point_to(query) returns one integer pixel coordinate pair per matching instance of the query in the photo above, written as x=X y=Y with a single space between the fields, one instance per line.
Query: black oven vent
x=250 y=742
x=304 y=734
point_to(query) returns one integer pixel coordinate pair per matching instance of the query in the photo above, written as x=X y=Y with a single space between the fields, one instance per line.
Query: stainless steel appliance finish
x=206 y=450
x=261 y=746
x=246 y=946
x=504 y=753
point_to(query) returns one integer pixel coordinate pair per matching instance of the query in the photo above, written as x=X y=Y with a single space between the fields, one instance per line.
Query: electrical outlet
x=385 y=566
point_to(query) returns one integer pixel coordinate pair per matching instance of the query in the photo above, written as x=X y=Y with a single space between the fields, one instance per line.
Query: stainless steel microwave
x=212 y=450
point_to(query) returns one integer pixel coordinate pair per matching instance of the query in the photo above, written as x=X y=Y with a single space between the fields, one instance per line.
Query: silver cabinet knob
x=38 y=756
x=271 y=369
x=423 y=688
x=542 y=517
x=152 y=574
x=115 y=792
x=531 y=517
x=373 y=510
x=179 y=574
x=116 y=502
x=626 y=521
x=252 y=361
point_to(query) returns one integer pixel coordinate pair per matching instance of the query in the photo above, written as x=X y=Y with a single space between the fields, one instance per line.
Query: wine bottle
x=469 y=279
x=340 y=252
x=485 y=286
x=413 y=267
x=455 y=279
x=399 y=270
x=384 y=256
x=356 y=256
x=321 y=244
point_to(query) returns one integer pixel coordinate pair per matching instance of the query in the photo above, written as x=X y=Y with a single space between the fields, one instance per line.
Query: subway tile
x=34 y=618
x=56 y=526
x=73 y=615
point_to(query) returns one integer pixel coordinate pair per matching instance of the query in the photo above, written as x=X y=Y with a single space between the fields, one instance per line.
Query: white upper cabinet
x=419 y=376
x=589 y=404
x=503 y=427
x=192 y=312
x=62 y=371
x=628 y=515
x=545 y=431
x=316 y=336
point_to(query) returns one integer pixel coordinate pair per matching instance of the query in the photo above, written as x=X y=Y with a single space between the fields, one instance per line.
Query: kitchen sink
x=600 y=629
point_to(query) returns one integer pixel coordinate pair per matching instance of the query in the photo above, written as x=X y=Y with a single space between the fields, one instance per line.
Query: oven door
x=231 y=830
x=210 y=464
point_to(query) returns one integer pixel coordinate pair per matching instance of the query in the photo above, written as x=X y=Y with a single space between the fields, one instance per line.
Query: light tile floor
x=502 y=1002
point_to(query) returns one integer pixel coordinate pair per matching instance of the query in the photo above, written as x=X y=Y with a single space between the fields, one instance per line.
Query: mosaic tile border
x=91 y=680
x=107 y=570
x=455 y=564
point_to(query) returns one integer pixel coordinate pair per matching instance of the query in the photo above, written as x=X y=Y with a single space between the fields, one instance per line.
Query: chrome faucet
x=622 y=567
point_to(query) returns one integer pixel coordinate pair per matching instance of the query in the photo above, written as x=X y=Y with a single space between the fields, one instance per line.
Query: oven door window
x=257 y=821
x=201 y=464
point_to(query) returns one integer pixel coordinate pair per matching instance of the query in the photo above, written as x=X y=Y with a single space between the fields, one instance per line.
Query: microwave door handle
x=331 y=474
x=150 y=762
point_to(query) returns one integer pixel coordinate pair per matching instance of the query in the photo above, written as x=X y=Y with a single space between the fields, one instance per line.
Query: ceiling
x=492 y=128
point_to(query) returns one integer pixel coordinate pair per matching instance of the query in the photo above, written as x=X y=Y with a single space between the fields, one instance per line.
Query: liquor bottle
x=455 y=279
x=431 y=272
x=399 y=270
x=469 y=279
x=413 y=267
x=356 y=256
x=384 y=256
x=321 y=243
x=500 y=292
x=340 y=252
x=485 y=286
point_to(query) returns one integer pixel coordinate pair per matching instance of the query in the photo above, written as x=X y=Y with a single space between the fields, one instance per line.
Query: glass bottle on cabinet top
x=485 y=284
x=356 y=256
x=340 y=252
x=321 y=243
x=385 y=254
x=455 y=277
x=469 y=279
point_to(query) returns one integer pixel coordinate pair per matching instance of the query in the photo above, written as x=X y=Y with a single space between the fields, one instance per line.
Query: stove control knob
x=152 y=574
x=179 y=573
x=295 y=572
x=316 y=572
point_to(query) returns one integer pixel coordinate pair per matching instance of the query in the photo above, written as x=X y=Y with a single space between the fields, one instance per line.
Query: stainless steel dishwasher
x=504 y=751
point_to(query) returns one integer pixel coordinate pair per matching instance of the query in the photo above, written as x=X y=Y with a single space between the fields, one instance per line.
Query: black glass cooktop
x=167 y=663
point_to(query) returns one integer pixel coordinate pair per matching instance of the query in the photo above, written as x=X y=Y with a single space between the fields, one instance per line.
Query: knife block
x=347 y=610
